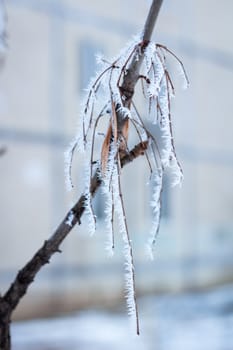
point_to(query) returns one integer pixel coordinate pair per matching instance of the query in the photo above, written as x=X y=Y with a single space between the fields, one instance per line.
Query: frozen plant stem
x=26 y=275
x=158 y=89
x=131 y=77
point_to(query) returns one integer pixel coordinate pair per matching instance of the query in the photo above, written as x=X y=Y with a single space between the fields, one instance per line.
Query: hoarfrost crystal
x=70 y=218
x=107 y=97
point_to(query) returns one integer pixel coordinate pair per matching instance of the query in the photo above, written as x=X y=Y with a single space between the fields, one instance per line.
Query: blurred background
x=185 y=294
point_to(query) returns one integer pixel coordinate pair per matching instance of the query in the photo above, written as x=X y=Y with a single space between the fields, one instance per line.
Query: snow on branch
x=111 y=99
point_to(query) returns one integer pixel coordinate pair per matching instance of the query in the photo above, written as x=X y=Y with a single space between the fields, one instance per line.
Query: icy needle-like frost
x=106 y=98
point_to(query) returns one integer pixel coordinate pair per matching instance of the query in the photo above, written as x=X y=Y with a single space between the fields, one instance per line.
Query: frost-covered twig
x=113 y=87
x=25 y=276
x=128 y=250
x=110 y=95
x=118 y=107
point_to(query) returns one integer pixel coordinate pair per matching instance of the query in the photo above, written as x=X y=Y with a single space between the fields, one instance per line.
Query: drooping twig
x=26 y=275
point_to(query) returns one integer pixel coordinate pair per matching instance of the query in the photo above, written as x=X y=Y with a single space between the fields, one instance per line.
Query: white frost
x=128 y=253
x=70 y=218
x=157 y=183
x=103 y=97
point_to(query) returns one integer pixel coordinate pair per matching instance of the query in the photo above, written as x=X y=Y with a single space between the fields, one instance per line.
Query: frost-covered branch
x=26 y=275
x=110 y=98
x=109 y=110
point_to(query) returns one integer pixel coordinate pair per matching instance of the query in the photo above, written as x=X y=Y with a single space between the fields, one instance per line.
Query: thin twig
x=129 y=255
x=27 y=274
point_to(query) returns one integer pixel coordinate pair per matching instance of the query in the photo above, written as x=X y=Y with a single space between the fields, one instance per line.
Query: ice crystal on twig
x=106 y=98
x=70 y=218
x=128 y=251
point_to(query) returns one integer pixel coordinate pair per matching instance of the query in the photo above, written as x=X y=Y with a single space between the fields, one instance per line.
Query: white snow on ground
x=87 y=330
x=197 y=321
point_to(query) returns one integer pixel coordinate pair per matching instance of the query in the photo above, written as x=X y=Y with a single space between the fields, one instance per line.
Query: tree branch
x=27 y=274
x=137 y=151
x=151 y=20
x=131 y=77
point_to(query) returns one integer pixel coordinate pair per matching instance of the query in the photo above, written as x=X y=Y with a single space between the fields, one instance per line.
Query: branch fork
x=142 y=61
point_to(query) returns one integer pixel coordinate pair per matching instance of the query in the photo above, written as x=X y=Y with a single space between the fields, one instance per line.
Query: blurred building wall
x=49 y=61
